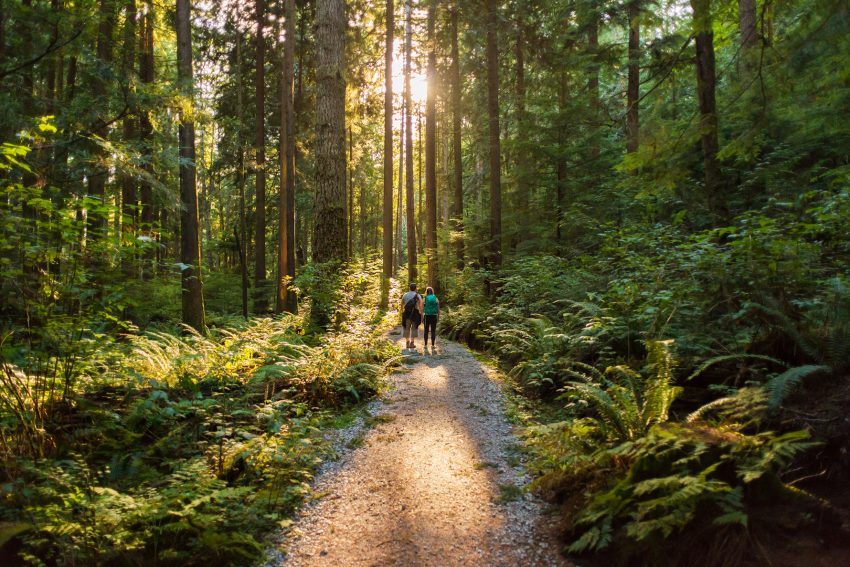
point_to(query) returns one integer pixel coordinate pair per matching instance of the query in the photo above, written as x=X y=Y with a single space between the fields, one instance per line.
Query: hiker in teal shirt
x=432 y=313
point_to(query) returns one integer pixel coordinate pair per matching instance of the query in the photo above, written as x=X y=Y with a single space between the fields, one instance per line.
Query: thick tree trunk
x=431 y=155
x=388 y=144
x=706 y=84
x=457 y=170
x=633 y=89
x=329 y=231
x=286 y=300
x=747 y=23
x=494 y=260
x=190 y=246
x=260 y=284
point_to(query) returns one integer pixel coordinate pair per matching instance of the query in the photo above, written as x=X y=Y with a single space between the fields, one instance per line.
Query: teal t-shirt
x=431 y=306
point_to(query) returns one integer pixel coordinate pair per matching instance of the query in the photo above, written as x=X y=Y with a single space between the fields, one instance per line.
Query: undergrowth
x=180 y=449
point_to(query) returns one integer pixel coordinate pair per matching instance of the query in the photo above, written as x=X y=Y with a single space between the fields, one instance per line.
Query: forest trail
x=436 y=482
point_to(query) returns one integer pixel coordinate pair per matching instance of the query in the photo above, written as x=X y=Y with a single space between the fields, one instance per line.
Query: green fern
x=781 y=385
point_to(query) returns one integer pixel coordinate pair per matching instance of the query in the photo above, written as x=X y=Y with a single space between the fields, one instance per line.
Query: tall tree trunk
x=330 y=224
x=457 y=170
x=408 y=143
x=350 y=170
x=495 y=257
x=286 y=300
x=260 y=288
x=633 y=89
x=521 y=155
x=560 y=166
x=146 y=76
x=420 y=240
x=747 y=23
x=96 y=225
x=706 y=84
x=242 y=236
x=128 y=183
x=399 y=256
x=593 y=81
x=431 y=155
x=388 y=144
x=190 y=245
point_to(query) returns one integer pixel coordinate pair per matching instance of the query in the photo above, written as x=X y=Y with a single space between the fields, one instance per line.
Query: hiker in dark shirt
x=431 y=310
x=411 y=315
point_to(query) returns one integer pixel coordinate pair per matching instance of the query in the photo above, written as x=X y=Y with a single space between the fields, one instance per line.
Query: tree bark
x=350 y=171
x=706 y=84
x=747 y=23
x=190 y=246
x=128 y=183
x=146 y=76
x=388 y=144
x=96 y=220
x=521 y=155
x=494 y=259
x=408 y=143
x=633 y=89
x=431 y=155
x=260 y=284
x=399 y=256
x=593 y=81
x=329 y=231
x=242 y=236
x=457 y=170
x=286 y=300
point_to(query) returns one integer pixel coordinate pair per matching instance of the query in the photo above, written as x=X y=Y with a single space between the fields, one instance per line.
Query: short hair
x=413 y=287
x=429 y=291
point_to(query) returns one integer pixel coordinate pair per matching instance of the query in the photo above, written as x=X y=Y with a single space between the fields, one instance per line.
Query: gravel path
x=436 y=482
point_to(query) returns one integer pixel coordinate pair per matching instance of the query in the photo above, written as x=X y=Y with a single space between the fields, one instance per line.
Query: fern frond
x=727 y=357
x=781 y=385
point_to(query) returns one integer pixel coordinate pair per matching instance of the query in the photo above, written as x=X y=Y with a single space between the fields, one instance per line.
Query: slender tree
x=99 y=172
x=190 y=245
x=350 y=192
x=147 y=213
x=706 y=84
x=286 y=300
x=633 y=89
x=399 y=256
x=329 y=231
x=521 y=156
x=388 y=144
x=260 y=288
x=457 y=169
x=431 y=154
x=408 y=139
x=242 y=234
x=593 y=78
x=495 y=256
x=128 y=183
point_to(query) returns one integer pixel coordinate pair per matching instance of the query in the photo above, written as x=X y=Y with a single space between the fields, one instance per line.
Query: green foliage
x=181 y=449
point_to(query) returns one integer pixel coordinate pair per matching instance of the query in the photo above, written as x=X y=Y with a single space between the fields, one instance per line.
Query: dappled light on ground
x=432 y=484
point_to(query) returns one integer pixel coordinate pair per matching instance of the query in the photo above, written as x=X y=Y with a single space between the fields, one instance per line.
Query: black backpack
x=410 y=311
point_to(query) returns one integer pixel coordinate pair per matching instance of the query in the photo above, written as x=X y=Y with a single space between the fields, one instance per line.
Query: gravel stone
x=431 y=484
